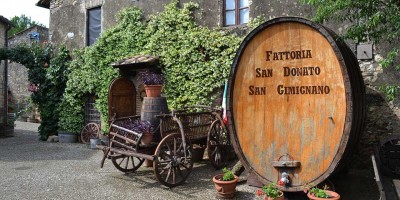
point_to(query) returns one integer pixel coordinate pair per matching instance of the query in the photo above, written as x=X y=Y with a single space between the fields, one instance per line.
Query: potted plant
x=271 y=192
x=67 y=136
x=152 y=82
x=316 y=193
x=225 y=184
x=70 y=123
x=145 y=128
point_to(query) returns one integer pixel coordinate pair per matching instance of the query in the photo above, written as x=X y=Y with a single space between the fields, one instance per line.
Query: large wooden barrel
x=296 y=102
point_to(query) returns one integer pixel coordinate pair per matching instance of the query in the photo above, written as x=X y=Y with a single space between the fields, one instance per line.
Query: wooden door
x=121 y=98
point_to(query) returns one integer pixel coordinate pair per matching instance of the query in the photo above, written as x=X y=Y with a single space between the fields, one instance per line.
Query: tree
x=47 y=73
x=21 y=23
x=371 y=20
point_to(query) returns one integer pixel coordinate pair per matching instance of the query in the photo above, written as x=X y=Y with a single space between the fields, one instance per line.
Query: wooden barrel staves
x=151 y=107
x=296 y=102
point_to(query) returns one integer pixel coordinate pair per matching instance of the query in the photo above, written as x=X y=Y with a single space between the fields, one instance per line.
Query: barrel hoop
x=353 y=92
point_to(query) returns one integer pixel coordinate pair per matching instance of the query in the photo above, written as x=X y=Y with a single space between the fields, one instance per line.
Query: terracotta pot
x=147 y=138
x=333 y=196
x=225 y=189
x=281 y=197
x=153 y=90
x=148 y=163
x=198 y=153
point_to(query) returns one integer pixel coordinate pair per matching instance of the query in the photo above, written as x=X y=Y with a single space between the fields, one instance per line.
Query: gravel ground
x=40 y=170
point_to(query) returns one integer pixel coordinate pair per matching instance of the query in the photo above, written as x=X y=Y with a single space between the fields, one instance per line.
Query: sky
x=11 y=8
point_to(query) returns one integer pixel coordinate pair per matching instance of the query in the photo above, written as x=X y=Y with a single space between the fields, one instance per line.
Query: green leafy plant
x=21 y=23
x=195 y=60
x=366 y=21
x=391 y=91
x=271 y=190
x=48 y=81
x=318 y=192
x=70 y=117
x=228 y=175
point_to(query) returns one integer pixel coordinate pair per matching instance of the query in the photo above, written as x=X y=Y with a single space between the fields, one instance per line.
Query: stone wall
x=3 y=28
x=6 y=120
x=69 y=16
x=2 y=34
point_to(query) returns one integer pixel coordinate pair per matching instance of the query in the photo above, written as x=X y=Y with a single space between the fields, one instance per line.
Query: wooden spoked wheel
x=174 y=162
x=127 y=164
x=218 y=145
x=124 y=163
x=90 y=131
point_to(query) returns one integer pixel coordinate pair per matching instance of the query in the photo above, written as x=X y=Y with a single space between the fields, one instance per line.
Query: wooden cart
x=172 y=152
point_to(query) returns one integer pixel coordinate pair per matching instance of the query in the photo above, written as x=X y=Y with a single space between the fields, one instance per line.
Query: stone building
x=75 y=22
x=78 y=23
x=6 y=125
x=18 y=74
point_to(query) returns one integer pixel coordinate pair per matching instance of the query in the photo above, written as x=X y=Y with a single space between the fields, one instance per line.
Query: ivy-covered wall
x=121 y=39
x=195 y=60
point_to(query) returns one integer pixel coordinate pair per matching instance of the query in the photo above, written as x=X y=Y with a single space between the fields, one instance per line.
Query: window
x=236 y=12
x=93 y=26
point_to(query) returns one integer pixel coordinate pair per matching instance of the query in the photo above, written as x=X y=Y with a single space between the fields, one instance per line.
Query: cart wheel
x=127 y=164
x=172 y=166
x=89 y=131
x=218 y=145
x=123 y=163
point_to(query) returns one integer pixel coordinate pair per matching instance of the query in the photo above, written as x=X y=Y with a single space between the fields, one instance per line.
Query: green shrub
x=228 y=175
x=195 y=60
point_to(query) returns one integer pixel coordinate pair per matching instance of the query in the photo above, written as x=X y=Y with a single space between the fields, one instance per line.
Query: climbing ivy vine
x=371 y=20
x=194 y=59
x=47 y=70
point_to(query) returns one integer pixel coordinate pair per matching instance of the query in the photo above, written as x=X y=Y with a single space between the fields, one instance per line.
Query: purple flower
x=140 y=126
x=151 y=78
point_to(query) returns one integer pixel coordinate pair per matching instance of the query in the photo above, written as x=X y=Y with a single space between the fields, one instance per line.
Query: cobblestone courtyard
x=40 y=170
